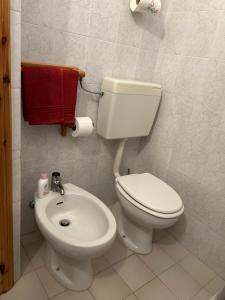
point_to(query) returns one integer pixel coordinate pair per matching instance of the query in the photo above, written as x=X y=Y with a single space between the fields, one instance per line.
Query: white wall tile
x=126 y=61
x=16 y=169
x=15 y=48
x=16 y=119
x=16 y=130
x=130 y=28
x=100 y=59
x=70 y=16
x=31 y=11
x=104 y=27
x=16 y=5
x=146 y=65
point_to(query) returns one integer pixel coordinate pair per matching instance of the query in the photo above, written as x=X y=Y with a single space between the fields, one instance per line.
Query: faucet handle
x=56 y=176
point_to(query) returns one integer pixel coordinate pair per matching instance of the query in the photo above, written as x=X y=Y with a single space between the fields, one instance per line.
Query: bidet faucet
x=56 y=183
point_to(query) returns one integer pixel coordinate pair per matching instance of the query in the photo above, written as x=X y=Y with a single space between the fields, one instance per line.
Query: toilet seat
x=150 y=194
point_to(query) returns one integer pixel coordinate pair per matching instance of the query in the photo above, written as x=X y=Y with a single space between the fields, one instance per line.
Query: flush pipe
x=118 y=157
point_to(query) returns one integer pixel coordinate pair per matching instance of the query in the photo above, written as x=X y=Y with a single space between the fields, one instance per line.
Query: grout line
x=59 y=293
x=91 y=293
x=41 y=281
x=196 y=293
x=209 y=282
x=174 y=263
x=190 y=252
x=111 y=267
x=41 y=284
x=115 y=43
x=127 y=283
x=168 y=288
x=120 y=260
x=133 y=294
x=202 y=286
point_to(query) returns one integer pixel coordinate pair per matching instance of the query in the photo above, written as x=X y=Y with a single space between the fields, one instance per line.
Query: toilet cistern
x=56 y=183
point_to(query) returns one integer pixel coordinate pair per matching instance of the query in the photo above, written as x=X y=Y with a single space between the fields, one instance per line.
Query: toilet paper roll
x=143 y=5
x=84 y=127
x=139 y=5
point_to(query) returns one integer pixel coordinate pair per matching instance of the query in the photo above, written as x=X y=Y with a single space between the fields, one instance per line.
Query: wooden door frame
x=6 y=218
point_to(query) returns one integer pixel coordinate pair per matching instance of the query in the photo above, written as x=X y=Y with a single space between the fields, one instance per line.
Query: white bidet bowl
x=77 y=227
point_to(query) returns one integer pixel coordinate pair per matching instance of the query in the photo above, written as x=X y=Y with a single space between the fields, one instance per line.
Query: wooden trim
x=36 y=64
x=6 y=219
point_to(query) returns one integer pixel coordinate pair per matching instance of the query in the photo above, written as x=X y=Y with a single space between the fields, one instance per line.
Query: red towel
x=49 y=95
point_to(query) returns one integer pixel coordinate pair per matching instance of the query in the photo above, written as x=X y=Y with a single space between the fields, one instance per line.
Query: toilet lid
x=151 y=192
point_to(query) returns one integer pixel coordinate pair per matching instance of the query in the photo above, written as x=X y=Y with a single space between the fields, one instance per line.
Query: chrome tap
x=56 y=183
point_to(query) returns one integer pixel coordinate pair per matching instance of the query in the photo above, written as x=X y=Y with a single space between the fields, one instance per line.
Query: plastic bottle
x=42 y=189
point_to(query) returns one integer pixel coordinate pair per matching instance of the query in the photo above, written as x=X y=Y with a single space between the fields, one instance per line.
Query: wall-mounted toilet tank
x=127 y=108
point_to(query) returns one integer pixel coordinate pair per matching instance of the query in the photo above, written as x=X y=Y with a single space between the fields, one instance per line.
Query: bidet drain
x=64 y=222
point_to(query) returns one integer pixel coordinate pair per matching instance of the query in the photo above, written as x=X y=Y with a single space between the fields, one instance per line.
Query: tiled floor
x=169 y=272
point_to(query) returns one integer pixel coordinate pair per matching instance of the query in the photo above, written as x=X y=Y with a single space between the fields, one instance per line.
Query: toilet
x=128 y=109
x=145 y=202
x=77 y=227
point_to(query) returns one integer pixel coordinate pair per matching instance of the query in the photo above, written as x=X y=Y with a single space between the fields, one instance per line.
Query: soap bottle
x=42 y=189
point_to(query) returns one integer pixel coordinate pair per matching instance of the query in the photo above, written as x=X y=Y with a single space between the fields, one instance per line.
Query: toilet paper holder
x=140 y=5
x=63 y=128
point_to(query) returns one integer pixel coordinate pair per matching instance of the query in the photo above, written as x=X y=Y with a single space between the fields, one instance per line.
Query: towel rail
x=36 y=64
x=63 y=128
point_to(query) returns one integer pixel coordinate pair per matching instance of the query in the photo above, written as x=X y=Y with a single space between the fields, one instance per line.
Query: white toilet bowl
x=77 y=228
x=145 y=203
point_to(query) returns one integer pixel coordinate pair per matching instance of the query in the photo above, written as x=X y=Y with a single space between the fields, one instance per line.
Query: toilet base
x=71 y=273
x=135 y=237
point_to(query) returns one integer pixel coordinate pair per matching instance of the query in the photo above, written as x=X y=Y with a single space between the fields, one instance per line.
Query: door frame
x=6 y=216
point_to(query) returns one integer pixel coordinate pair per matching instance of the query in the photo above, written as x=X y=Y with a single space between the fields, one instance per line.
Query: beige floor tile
x=35 y=252
x=71 y=295
x=131 y=297
x=31 y=237
x=202 y=295
x=215 y=285
x=99 y=264
x=158 y=260
x=155 y=290
x=199 y=271
x=51 y=286
x=28 y=287
x=158 y=234
x=26 y=265
x=117 y=252
x=180 y=282
x=108 y=285
x=174 y=249
x=134 y=272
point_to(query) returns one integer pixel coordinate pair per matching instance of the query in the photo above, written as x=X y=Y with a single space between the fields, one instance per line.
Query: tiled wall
x=104 y=39
x=16 y=117
x=186 y=147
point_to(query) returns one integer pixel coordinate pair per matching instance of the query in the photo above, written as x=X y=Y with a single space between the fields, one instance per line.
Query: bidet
x=77 y=230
